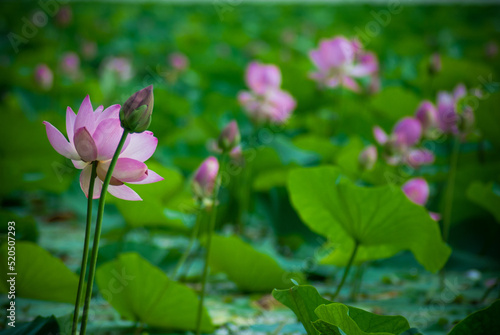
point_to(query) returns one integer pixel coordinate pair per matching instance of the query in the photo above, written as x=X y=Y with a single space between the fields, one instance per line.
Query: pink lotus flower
x=44 y=76
x=368 y=157
x=418 y=157
x=205 y=178
x=417 y=190
x=447 y=111
x=70 y=64
x=427 y=115
x=407 y=132
x=266 y=102
x=93 y=137
x=120 y=66
x=340 y=60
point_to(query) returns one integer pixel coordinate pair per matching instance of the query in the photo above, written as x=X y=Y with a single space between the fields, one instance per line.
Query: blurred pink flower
x=94 y=136
x=70 y=64
x=447 y=109
x=178 y=61
x=64 y=16
x=435 y=63
x=426 y=113
x=418 y=157
x=121 y=66
x=339 y=61
x=205 y=178
x=266 y=102
x=44 y=76
x=368 y=157
x=88 y=49
x=407 y=132
x=417 y=190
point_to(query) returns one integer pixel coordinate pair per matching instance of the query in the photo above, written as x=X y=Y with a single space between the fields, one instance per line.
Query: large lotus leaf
x=248 y=268
x=335 y=317
x=151 y=211
x=141 y=292
x=381 y=219
x=392 y=103
x=314 y=312
x=39 y=274
x=484 y=195
x=482 y=322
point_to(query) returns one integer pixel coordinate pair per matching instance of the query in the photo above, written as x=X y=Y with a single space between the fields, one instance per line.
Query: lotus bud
x=135 y=114
x=435 y=63
x=70 y=64
x=368 y=157
x=229 y=137
x=44 y=76
x=427 y=115
x=205 y=178
x=178 y=61
x=407 y=131
x=417 y=190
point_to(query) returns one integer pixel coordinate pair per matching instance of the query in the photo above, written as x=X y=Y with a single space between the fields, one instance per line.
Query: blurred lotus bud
x=491 y=50
x=120 y=66
x=434 y=63
x=466 y=120
x=447 y=116
x=435 y=216
x=205 y=178
x=88 y=49
x=70 y=64
x=368 y=157
x=427 y=115
x=262 y=77
x=417 y=190
x=407 y=132
x=178 y=61
x=229 y=137
x=135 y=114
x=459 y=91
x=418 y=157
x=64 y=16
x=44 y=76
x=380 y=135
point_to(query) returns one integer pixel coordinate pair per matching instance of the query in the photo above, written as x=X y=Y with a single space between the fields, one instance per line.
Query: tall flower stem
x=450 y=185
x=186 y=253
x=348 y=267
x=97 y=233
x=85 y=256
x=212 y=214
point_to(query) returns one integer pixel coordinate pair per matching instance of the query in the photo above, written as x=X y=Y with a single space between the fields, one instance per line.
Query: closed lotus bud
x=44 y=76
x=135 y=114
x=368 y=157
x=417 y=190
x=407 y=131
x=435 y=63
x=427 y=115
x=205 y=178
x=229 y=137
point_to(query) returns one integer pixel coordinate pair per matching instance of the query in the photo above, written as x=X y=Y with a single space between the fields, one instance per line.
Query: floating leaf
x=353 y=321
x=248 y=268
x=484 y=195
x=380 y=219
x=141 y=292
x=39 y=274
x=484 y=321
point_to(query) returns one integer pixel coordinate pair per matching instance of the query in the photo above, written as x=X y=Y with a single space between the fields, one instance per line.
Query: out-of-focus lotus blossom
x=135 y=115
x=380 y=135
x=88 y=49
x=339 y=61
x=427 y=115
x=178 y=61
x=435 y=216
x=491 y=50
x=229 y=137
x=205 y=178
x=44 y=76
x=120 y=66
x=418 y=157
x=407 y=132
x=70 y=64
x=447 y=109
x=237 y=155
x=435 y=63
x=266 y=102
x=417 y=190
x=368 y=157
x=64 y=16
x=93 y=137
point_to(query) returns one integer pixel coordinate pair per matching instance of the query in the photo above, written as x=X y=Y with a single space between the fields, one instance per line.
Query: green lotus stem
x=186 y=253
x=449 y=189
x=97 y=233
x=346 y=272
x=212 y=213
x=85 y=256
